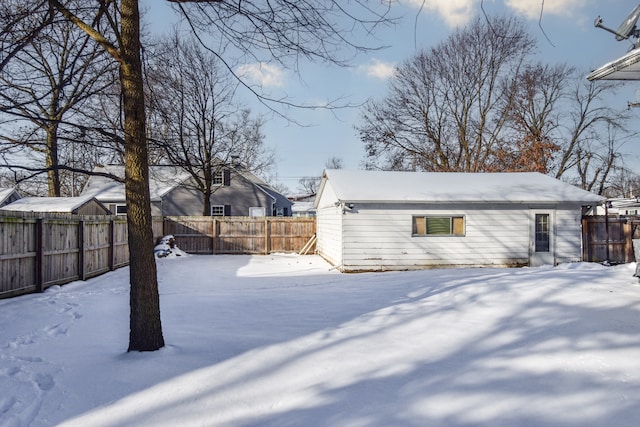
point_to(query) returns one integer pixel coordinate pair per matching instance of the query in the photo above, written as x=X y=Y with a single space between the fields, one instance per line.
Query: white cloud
x=532 y=8
x=266 y=75
x=459 y=12
x=378 y=69
x=454 y=12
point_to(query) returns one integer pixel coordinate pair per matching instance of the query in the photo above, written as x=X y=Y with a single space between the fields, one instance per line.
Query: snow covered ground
x=283 y=340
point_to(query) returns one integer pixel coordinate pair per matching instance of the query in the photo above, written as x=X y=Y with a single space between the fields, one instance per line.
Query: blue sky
x=565 y=33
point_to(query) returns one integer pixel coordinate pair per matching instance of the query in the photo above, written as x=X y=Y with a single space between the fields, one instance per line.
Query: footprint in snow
x=56 y=330
x=45 y=382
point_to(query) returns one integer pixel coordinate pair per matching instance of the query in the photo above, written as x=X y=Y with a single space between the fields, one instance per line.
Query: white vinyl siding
x=380 y=238
x=568 y=234
x=329 y=219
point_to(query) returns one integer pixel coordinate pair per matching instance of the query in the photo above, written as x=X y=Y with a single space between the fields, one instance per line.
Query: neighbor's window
x=218 y=177
x=121 y=209
x=438 y=225
x=217 y=210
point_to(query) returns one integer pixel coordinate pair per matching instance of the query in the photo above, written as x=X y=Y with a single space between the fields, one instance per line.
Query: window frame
x=120 y=205
x=218 y=214
x=416 y=228
x=542 y=233
x=218 y=178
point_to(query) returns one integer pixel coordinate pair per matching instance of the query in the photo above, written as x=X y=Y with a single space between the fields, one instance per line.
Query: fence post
x=267 y=235
x=585 y=241
x=214 y=235
x=112 y=244
x=39 y=264
x=81 y=249
x=628 y=242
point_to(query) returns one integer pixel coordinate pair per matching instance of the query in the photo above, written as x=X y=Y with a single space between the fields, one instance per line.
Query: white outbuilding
x=382 y=220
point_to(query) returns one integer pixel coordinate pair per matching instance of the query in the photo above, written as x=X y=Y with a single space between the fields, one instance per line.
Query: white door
x=542 y=238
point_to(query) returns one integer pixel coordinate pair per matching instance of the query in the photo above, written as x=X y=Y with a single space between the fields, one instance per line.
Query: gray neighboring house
x=375 y=220
x=83 y=205
x=237 y=192
x=8 y=195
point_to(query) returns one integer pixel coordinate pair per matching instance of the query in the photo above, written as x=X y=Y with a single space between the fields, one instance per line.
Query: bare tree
x=43 y=90
x=624 y=183
x=592 y=134
x=308 y=185
x=200 y=127
x=333 y=163
x=20 y=22
x=284 y=32
x=533 y=119
x=123 y=22
x=445 y=110
x=477 y=102
x=279 y=30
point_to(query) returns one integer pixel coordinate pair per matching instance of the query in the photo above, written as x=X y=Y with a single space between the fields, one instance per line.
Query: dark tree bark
x=145 y=323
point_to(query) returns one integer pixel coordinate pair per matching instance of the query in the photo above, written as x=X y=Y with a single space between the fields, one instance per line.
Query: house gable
x=8 y=195
x=173 y=192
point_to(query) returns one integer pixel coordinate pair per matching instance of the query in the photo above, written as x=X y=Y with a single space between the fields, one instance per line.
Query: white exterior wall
x=379 y=237
x=568 y=234
x=329 y=221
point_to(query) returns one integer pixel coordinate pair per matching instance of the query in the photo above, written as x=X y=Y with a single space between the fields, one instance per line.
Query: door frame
x=538 y=258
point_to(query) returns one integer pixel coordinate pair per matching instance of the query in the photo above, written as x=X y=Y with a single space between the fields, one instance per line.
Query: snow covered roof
x=5 y=193
x=302 y=207
x=47 y=204
x=390 y=186
x=162 y=179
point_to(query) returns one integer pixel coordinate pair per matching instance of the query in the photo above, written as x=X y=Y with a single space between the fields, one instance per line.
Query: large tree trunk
x=145 y=325
x=52 y=162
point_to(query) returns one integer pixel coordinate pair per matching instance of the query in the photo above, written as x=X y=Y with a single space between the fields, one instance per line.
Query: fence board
x=41 y=250
x=240 y=235
x=609 y=239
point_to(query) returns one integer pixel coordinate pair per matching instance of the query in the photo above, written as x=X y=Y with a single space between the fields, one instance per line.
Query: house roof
x=162 y=179
x=302 y=207
x=627 y=67
x=263 y=186
x=47 y=204
x=5 y=193
x=391 y=186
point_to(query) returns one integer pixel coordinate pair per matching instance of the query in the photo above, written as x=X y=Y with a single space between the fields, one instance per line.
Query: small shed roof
x=48 y=204
x=391 y=186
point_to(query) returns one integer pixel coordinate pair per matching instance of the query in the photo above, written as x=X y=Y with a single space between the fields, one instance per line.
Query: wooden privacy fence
x=609 y=239
x=240 y=235
x=38 y=251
